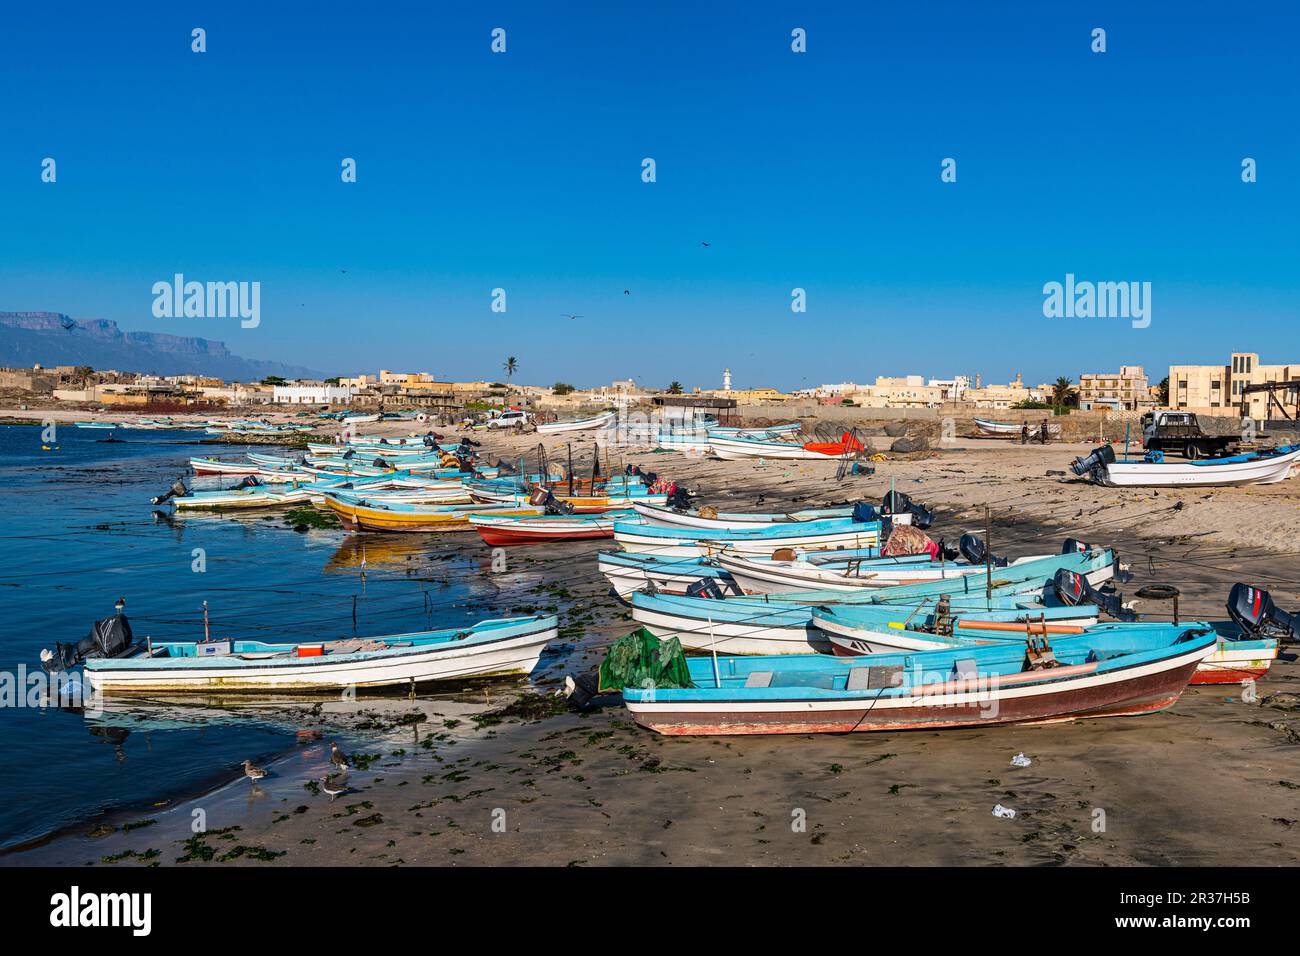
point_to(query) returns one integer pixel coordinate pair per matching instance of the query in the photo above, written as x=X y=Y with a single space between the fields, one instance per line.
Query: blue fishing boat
x=1111 y=670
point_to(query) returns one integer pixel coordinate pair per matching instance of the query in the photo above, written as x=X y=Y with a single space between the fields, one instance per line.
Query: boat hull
x=1142 y=689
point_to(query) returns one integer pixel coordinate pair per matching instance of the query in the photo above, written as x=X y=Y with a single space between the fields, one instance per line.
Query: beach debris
x=253 y=773
x=1020 y=760
x=1004 y=812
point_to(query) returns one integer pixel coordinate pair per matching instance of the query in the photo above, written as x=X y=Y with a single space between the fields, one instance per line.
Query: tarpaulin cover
x=640 y=660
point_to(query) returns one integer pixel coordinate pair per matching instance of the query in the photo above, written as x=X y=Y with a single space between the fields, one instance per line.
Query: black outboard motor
x=705 y=588
x=679 y=500
x=947 y=553
x=865 y=512
x=1258 y=617
x=248 y=481
x=554 y=506
x=974 y=551
x=380 y=463
x=349 y=454
x=177 y=490
x=110 y=637
x=1095 y=464
x=897 y=503
x=1074 y=589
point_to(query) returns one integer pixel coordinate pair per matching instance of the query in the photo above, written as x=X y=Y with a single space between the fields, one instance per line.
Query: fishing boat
x=493 y=647
x=1152 y=471
x=794 y=576
x=664 y=517
x=589 y=499
x=593 y=423
x=768 y=432
x=821 y=535
x=1113 y=670
x=857 y=630
x=1237 y=661
x=95 y=424
x=628 y=573
x=539 y=529
x=737 y=448
x=356 y=513
x=1013 y=429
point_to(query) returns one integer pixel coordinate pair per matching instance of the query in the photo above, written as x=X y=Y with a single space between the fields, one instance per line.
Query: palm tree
x=674 y=388
x=1062 y=392
x=511 y=366
x=83 y=373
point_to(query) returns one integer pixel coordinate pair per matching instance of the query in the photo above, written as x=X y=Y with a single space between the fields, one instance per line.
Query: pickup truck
x=1181 y=433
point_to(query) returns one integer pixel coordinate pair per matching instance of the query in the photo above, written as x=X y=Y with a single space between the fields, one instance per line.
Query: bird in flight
x=568 y=315
x=68 y=323
x=627 y=291
x=705 y=245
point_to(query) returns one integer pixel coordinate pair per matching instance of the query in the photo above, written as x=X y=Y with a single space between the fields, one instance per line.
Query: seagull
x=253 y=773
x=570 y=316
x=68 y=323
x=627 y=291
x=333 y=786
x=337 y=757
x=705 y=245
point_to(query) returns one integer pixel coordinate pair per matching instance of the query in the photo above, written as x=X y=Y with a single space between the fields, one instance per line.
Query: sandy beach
x=507 y=774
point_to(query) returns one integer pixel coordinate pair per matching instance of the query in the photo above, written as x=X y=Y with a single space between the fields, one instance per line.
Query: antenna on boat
x=713 y=647
x=988 y=556
x=205 y=621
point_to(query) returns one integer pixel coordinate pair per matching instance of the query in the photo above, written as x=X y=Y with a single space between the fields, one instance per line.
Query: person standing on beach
x=1024 y=433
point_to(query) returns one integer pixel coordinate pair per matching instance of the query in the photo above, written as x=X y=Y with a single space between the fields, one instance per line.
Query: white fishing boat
x=594 y=423
x=501 y=646
x=1257 y=468
x=827 y=535
x=1014 y=429
x=738 y=448
x=664 y=517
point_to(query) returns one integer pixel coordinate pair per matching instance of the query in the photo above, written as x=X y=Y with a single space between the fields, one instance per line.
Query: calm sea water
x=78 y=533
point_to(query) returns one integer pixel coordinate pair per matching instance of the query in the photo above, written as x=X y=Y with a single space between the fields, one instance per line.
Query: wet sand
x=474 y=781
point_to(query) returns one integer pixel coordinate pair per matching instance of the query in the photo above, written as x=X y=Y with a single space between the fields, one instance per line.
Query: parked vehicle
x=1181 y=433
x=510 y=418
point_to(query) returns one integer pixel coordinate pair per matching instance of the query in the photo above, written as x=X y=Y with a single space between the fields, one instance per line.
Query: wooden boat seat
x=759 y=679
x=883 y=677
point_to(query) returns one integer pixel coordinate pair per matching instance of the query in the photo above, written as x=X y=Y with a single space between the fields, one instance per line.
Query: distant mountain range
x=52 y=338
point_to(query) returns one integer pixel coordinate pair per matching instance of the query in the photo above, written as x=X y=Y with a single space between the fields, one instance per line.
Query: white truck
x=510 y=418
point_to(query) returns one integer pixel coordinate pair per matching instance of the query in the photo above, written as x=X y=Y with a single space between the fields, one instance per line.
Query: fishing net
x=640 y=659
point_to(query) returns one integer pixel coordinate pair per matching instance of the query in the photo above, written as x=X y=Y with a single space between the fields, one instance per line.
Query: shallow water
x=79 y=533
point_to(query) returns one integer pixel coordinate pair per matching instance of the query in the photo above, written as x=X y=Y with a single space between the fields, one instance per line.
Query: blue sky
x=522 y=171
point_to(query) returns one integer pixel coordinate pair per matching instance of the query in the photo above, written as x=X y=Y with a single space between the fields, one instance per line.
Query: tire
x=1192 y=451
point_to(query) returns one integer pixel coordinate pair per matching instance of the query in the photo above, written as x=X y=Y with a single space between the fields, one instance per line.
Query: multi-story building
x=312 y=394
x=1126 y=390
x=1217 y=389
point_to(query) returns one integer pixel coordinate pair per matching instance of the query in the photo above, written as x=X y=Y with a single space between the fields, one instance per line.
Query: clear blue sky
x=522 y=171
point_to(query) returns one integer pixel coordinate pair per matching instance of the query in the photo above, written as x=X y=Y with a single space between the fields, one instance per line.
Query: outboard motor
x=679 y=500
x=974 y=551
x=1095 y=464
x=1074 y=589
x=865 y=512
x=380 y=463
x=428 y=441
x=177 y=490
x=1255 y=613
x=248 y=481
x=550 y=504
x=110 y=637
x=705 y=588
x=897 y=503
x=349 y=454
x=946 y=553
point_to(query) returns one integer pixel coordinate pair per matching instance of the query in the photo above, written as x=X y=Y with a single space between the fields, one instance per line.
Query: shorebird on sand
x=253 y=773
x=337 y=757
x=333 y=786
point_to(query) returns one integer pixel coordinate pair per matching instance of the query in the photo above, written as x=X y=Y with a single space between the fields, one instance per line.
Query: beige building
x=1217 y=389
x=1125 y=390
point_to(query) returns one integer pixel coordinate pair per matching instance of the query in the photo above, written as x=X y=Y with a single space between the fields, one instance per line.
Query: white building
x=312 y=394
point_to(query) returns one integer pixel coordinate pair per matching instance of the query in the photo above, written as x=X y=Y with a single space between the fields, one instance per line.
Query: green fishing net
x=640 y=659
